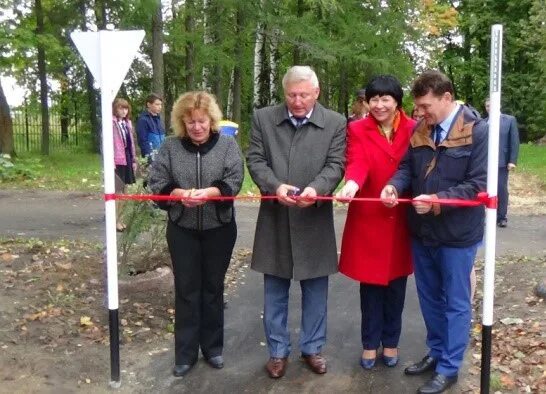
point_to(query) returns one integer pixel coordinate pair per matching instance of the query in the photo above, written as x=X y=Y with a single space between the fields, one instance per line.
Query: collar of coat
x=202 y=148
x=317 y=117
x=459 y=134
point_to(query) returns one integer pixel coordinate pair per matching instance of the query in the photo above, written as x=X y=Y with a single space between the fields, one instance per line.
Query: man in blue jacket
x=508 y=158
x=150 y=132
x=447 y=158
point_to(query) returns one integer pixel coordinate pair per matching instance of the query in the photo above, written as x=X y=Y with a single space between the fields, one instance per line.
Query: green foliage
x=524 y=57
x=14 y=172
x=142 y=246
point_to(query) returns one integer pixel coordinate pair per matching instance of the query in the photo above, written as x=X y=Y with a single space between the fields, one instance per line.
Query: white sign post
x=491 y=210
x=108 y=55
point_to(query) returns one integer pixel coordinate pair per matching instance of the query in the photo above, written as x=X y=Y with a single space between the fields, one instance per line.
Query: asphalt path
x=73 y=215
x=53 y=215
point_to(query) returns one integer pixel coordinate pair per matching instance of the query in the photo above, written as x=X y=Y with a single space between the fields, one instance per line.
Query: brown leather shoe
x=316 y=362
x=276 y=367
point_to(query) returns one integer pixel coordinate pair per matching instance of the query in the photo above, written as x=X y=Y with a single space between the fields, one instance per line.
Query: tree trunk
x=216 y=14
x=468 y=92
x=207 y=40
x=92 y=95
x=189 y=26
x=6 y=125
x=42 y=74
x=343 y=100
x=100 y=14
x=273 y=69
x=237 y=70
x=158 y=74
x=296 y=52
x=325 y=87
x=259 y=48
x=64 y=109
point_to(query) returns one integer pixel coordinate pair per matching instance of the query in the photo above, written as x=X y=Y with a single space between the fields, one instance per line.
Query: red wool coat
x=376 y=245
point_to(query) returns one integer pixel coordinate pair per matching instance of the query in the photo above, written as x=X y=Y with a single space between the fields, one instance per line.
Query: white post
x=491 y=211
x=108 y=54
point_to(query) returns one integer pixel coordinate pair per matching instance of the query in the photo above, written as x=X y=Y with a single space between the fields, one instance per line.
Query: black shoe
x=426 y=364
x=438 y=384
x=181 y=370
x=502 y=223
x=216 y=362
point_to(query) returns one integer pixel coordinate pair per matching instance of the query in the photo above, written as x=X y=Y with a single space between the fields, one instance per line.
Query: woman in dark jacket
x=196 y=164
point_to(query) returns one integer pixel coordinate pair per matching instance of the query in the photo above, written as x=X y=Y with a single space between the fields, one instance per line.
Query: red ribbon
x=481 y=199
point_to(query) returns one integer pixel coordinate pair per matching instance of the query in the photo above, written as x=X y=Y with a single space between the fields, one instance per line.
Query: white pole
x=109 y=185
x=491 y=210
x=108 y=55
x=110 y=210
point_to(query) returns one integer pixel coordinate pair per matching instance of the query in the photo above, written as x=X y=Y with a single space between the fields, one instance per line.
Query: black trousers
x=200 y=261
x=382 y=308
x=502 y=193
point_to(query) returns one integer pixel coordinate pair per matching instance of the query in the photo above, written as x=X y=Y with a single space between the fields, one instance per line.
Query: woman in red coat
x=376 y=247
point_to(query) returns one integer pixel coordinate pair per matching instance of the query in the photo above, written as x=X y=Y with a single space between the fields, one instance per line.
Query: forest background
x=239 y=51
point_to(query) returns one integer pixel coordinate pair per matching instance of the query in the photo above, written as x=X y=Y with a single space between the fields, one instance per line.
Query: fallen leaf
x=85 y=321
x=511 y=320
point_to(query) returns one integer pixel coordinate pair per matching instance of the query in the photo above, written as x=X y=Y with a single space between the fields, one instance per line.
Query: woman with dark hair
x=376 y=246
x=196 y=164
x=124 y=151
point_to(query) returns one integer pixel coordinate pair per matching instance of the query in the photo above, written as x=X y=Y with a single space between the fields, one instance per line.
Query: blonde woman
x=195 y=164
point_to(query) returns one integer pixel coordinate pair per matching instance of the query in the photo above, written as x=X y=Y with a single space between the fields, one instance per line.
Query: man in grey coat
x=508 y=158
x=296 y=152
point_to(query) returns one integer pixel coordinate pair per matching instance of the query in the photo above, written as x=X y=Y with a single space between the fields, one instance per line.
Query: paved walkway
x=76 y=215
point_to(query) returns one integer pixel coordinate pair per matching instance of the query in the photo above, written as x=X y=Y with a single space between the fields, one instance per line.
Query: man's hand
x=389 y=196
x=422 y=204
x=284 y=193
x=347 y=192
x=306 y=198
x=511 y=166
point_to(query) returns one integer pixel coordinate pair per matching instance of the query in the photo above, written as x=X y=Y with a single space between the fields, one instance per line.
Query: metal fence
x=27 y=132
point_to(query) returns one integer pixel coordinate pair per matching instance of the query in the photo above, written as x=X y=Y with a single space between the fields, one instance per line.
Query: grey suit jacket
x=508 y=140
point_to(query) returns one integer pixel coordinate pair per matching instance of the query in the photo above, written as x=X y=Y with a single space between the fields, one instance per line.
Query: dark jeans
x=200 y=261
x=382 y=308
x=502 y=193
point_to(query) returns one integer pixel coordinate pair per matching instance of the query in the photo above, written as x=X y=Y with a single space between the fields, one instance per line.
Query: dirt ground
x=54 y=326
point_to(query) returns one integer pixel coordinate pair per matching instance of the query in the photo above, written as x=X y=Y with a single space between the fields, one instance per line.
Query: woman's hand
x=347 y=192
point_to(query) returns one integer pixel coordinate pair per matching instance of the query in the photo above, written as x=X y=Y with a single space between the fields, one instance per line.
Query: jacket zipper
x=200 y=207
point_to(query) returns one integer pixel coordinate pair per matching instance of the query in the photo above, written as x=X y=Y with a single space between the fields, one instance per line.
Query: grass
x=80 y=171
x=532 y=160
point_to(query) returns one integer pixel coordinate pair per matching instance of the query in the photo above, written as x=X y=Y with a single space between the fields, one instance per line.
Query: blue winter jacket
x=457 y=168
x=150 y=133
